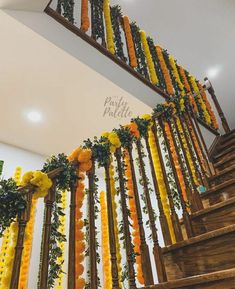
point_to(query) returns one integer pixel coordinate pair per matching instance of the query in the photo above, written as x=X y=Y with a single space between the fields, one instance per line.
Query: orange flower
x=74 y=154
x=130 y=42
x=84 y=156
x=85 y=21
x=84 y=167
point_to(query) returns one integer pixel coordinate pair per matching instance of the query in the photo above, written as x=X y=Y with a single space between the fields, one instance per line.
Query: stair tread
x=222 y=162
x=217 y=188
x=200 y=238
x=224 y=152
x=195 y=280
x=223 y=172
x=213 y=208
x=227 y=144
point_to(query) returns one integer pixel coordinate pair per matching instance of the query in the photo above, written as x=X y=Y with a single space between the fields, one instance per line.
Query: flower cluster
x=113 y=140
x=130 y=42
x=85 y=21
x=108 y=25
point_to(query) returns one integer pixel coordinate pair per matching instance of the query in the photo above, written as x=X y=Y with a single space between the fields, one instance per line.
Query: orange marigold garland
x=176 y=161
x=166 y=74
x=130 y=42
x=85 y=21
x=208 y=106
x=133 y=215
x=107 y=275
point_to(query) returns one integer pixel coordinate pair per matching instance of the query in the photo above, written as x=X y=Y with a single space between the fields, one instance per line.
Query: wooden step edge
x=227 y=137
x=217 y=188
x=221 y=173
x=200 y=238
x=195 y=280
x=227 y=144
x=225 y=152
x=223 y=162
x=213 y=208
x=228 y=133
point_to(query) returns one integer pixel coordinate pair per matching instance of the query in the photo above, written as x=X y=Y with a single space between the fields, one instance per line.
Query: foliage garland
x=116 y=15
x=97 y=21
x=141 y=59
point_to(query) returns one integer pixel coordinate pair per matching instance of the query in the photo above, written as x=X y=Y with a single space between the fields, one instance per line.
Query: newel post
x=211 y=91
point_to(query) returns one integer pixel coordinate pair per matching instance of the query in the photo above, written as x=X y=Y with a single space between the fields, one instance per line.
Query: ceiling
x=40 y=70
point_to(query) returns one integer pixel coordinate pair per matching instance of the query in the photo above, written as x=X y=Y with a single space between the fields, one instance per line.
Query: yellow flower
x=146 y=116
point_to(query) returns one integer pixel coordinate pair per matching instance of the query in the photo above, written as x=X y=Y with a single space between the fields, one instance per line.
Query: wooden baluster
x=192 y=126
x=156 y=248
x=145 y=257
x=92 y=237
x=22 y=222
x=49 y=201
x=112 y=239
x=196 y=202
x=174 y=216
x=162 y=216
x=186 y=217
x=125 y=213
x=218 y=107
x=198 y=173
x=71 y=259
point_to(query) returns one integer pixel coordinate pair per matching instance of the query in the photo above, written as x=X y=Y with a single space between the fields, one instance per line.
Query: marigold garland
x=200 y=100
x=7 y=253
x=166 y=74
x=134 y=218
x=85 y=21
x=109 y=28
x=188 y=155
x=176 y=161
x=130 y=42
x=152 y=72
x=107 y=275
x=79 y=234
x=208 y=106
x=161 y=182
x=115 y=221
x=176 y=75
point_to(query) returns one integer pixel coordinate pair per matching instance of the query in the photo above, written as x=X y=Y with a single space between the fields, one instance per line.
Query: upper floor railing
x=107 y=29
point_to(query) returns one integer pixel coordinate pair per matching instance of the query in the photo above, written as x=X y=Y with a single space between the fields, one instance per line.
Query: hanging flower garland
x=130 y=43
x=142 y=65
x=85 y=21
x=188 y=155
x=133 y=216
x=8 y=245
x=152 y=72
x=107 y=275
x=176 y=75
x=108 y=25
x=116 y=15
x=208 y=106
x=167 y=77
x=176 y=161
x=161 y=182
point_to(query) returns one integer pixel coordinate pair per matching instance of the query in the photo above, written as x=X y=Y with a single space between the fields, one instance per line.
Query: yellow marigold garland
x=8 y=246
x=108 y=25
x=134 y=218
x=152 y=71
x=107 y=275
x=188 y=155
x=200 y=100
x=130 y=42
x=85 y=21
x=166 y=74
x=176 y=75
x=209 y=108
x=61 y=245
x=115 y=221
x=161 y=183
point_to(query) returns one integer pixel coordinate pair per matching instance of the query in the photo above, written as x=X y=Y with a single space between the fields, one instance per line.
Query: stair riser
x=214 y=220
x=226 y=164
x=201 y=258
x=223 y=178
x=226 y=145
x=225 y=159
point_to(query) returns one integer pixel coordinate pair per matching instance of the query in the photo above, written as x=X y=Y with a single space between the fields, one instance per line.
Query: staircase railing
x=153 y=172
x=105 y=28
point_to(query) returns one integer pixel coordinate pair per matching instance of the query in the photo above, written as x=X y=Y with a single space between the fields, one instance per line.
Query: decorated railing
x=128 y=191
x=113 y=34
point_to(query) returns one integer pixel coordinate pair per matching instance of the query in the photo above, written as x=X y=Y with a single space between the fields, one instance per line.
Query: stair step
x=224 y=152
x=225 y=145
x=228 y=136
x=223 y=163
x=224 y=279
x=215 y=217
x=201 y=254
x=224 y=175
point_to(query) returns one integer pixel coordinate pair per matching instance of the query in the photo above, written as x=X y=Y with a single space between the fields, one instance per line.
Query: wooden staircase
x=208 y=259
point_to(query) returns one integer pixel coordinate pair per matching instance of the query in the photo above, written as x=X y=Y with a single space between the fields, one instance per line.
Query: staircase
x=208 y=259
